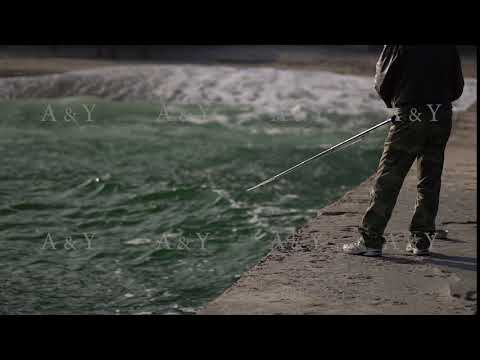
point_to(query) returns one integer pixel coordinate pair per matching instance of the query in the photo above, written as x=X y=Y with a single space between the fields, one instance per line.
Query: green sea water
x=138 y=210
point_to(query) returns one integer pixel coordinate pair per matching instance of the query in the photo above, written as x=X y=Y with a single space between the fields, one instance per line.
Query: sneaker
x=413 y=249
x=359 y=248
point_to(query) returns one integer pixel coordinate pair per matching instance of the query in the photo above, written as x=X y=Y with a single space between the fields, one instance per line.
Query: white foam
x=138 y=241
x=266 y=90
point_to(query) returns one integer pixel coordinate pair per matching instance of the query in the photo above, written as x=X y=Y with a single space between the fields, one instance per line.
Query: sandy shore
x=24 y=66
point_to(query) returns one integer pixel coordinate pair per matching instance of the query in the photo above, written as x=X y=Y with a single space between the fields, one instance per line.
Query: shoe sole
x=373 y=253
x=369 y=253
x=419 y=252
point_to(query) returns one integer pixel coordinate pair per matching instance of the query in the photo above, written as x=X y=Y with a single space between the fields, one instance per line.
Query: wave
x=265 y=90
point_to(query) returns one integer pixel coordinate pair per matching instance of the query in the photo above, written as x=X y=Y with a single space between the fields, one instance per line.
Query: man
x=419 y=82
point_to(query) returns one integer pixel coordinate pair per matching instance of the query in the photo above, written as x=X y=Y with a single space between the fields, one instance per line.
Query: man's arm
x=388 y=71
x=458 y=80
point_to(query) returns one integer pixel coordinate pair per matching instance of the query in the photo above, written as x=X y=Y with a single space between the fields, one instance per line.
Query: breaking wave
x=264 y=90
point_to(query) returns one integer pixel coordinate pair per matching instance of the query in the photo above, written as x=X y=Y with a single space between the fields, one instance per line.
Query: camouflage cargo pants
x=422 y=138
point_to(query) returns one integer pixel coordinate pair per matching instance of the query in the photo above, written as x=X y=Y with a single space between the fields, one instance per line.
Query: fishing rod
x=323 y=153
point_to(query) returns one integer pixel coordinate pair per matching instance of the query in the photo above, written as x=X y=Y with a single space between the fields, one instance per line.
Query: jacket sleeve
x=458 y=82
x=388 y=72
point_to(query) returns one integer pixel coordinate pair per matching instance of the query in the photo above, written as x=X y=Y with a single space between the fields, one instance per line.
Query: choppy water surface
x=142 y=208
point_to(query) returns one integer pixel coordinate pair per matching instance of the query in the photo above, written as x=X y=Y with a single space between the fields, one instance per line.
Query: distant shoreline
x=351 y=63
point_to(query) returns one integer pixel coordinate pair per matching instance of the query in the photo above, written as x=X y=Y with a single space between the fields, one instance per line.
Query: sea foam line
x=266 y=90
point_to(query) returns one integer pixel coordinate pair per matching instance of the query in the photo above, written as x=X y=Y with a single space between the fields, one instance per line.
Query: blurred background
x=300 y=55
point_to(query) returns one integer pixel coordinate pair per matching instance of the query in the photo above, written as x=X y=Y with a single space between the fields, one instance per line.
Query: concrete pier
x=315 y=277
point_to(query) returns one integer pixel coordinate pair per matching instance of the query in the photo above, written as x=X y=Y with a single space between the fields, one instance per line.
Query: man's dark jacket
x=419 y=74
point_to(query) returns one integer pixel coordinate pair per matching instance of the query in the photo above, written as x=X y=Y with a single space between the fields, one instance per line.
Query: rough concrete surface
x=313 y=276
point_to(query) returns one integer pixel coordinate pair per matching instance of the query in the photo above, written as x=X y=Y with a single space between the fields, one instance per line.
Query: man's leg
x=400 y=150
x=398 y=156
x=429 y=171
